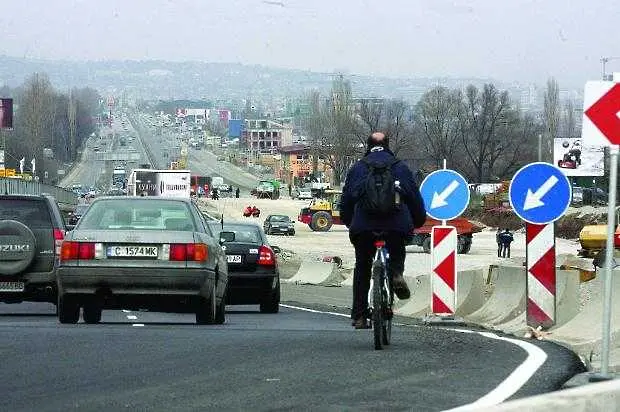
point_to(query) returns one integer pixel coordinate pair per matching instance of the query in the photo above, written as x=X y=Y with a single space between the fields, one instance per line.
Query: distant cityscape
x=233 y=85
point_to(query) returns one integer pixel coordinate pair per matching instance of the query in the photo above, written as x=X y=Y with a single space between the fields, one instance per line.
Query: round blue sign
x=445 y=194
x=540 y=193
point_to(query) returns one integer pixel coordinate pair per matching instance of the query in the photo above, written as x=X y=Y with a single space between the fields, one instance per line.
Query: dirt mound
x=568 y=227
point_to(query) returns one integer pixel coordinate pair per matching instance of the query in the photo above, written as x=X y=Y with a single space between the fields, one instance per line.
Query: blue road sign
x=445 y=194
x=540 y=193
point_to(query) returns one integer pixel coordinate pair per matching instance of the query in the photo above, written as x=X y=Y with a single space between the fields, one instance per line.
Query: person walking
x=237 y=193
x=498 y=240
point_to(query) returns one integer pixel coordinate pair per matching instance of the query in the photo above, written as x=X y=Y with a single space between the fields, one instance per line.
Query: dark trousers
x=364 y=254
x=506 y=250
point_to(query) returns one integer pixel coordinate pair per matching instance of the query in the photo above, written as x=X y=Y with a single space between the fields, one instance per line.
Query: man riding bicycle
x=367 y=208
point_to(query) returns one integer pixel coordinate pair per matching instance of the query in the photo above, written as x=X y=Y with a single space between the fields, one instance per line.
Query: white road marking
x=126 y=311
x=536 y=357
x=132 y=317
x=138 y=324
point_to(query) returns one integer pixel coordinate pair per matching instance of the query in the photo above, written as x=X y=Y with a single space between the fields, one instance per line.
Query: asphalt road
x=294 y=360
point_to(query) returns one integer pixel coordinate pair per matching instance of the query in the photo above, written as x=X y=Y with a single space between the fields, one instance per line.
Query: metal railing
x=24 y=187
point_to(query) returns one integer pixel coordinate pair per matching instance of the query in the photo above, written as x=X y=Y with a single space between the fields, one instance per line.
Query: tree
x=551 y=117
x=569 y=124
x=437 y=127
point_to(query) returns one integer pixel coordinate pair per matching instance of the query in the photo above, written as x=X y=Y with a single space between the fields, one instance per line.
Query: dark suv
x=31 y=232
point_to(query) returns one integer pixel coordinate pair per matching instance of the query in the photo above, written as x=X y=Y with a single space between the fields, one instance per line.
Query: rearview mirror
x=276 y=249
x=227 y=237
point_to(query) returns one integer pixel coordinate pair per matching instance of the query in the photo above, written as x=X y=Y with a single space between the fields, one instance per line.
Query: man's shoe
x=400 y=287
x=361 y=323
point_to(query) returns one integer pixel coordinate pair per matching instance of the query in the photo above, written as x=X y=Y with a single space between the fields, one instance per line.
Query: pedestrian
x=215 y=195
x=498 y=240
x=290 y=190
x=237 y=193
x=506 y=238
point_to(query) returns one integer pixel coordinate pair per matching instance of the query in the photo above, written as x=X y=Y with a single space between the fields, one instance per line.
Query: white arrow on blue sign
x=540 y=193
x=445 y=194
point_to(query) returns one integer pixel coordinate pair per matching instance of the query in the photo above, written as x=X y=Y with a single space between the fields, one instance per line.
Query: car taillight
x=77 y=251
x=59 y=235
x=197 y=252
x=617 y=240
x=266 y=256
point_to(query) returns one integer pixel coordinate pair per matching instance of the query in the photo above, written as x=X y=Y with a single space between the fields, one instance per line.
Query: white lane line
x=138 y=324
x=126 y=311
x=536 y=357
x=132 y=317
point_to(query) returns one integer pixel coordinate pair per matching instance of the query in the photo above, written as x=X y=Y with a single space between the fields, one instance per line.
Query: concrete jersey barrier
x=312 y=272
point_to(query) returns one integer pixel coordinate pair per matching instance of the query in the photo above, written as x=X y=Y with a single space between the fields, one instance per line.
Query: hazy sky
x=526 y=40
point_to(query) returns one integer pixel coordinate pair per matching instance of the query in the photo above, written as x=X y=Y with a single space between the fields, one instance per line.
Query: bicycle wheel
x=387 y=320
x=377 y=301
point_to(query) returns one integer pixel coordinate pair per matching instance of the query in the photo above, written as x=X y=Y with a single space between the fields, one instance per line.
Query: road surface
x=294 y=360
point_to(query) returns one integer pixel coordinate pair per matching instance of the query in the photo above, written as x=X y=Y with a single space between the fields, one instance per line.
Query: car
x=253 y=274
x=279 y=224
x=31 y=232
x=76 y=214
x=302 y=193
x=137 y=253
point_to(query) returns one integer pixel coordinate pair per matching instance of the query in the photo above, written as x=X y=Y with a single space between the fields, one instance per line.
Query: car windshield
x=279 y=219
x=243 y=233
x=139 y=214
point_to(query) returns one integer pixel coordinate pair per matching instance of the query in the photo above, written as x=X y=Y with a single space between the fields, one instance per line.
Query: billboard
x=6 y=113
x=576 y=159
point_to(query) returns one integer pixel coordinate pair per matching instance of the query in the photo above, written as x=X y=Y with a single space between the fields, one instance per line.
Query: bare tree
x=569 y=124
x=437 y=126
x=551 y=117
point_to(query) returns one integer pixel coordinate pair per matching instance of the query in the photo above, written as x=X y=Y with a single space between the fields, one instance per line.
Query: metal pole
x=609 y=260
x=540 y=147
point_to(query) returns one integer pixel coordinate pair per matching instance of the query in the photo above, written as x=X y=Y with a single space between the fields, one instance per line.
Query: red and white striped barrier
x=541 y=284
x=443 y=263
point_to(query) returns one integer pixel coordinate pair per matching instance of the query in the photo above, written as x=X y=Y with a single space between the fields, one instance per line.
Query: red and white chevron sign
x=541 y=287
x=443 y=263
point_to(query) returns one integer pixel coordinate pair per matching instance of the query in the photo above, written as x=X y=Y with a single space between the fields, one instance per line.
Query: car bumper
x=250 y=288
x=135 y=281
x=38 y=287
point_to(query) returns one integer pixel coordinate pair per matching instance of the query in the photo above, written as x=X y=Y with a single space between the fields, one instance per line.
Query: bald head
x=378 y=140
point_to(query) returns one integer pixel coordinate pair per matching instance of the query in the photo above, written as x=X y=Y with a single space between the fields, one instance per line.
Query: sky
x=521 y=40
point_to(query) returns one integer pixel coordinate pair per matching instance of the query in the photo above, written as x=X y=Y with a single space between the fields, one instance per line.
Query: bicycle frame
x=381 y=255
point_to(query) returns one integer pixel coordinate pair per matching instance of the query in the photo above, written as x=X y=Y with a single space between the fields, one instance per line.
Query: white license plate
x=11 y=286
x=133 y=251
x=233 y=258
x=283 y=229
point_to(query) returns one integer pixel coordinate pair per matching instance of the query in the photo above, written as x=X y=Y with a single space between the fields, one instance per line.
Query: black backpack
x=378 y=193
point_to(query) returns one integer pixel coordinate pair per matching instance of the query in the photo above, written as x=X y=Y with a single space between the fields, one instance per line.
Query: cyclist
x=363 y=224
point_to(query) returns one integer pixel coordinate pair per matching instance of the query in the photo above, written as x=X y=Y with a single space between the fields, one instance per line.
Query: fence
x=23 y=187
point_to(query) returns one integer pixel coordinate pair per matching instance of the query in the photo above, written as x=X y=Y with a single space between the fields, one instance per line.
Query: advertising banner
x=577 y=159
x=6 y=113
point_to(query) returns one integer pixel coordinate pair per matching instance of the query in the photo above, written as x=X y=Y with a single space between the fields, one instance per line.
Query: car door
x=214 y=245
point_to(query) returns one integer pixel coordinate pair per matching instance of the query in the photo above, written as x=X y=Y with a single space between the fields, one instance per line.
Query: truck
x=268 y=189
x=119 y=176
x=593 y=238
x=464 y=229
x=159 y=182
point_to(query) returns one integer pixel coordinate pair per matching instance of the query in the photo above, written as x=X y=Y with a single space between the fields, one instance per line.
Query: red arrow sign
x=604 y=114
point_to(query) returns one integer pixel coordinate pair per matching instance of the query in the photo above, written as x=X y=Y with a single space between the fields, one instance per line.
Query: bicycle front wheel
x=378 y=304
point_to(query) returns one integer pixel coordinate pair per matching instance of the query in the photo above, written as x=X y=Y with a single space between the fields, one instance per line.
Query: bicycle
x=381 y=296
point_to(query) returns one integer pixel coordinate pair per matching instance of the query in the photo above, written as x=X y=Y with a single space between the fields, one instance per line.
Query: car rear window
x=243 y=234
x=138 y=214
x=279 y=218
x=33 y=213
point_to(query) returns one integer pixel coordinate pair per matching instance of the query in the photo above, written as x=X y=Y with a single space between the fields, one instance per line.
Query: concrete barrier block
x=507 y=300
x=312 y=272
x=470 y=291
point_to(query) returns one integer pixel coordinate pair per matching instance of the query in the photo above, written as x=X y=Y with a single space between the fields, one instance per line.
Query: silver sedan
x=142 y=253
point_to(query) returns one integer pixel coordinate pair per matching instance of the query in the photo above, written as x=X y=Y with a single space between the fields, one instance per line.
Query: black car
x=31 y=233
x=253 y=276
x=279 y=224
x=77 y=214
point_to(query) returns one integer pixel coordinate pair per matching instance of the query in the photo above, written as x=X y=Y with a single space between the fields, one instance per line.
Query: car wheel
x=68 y=309
x=220 y=315
x=205 y=314
x=426 y=245
x=271 y=304
x=292 y=233
x=321 y=222
x=92 y=313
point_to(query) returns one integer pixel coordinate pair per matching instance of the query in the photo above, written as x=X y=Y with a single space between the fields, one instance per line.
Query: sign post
x=601 y=125
x=539 y=194
x=446 y=196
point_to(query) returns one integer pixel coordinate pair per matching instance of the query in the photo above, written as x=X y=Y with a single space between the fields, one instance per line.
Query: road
x=294 y=360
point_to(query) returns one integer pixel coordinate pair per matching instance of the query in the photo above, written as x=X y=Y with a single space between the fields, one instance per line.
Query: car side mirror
x=227 y=237
x=276 y=249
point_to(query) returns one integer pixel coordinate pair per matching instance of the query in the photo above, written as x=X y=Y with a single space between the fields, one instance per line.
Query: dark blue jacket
x=411 y=214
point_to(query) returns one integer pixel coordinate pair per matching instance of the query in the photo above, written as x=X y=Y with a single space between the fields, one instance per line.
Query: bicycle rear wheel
x=387 y=321
x=378 y=304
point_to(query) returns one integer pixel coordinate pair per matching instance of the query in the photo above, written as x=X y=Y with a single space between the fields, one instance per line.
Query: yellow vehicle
x=322 y=213
x=593 y=238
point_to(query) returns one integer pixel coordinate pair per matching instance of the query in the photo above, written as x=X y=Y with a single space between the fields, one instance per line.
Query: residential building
x=266 y=136
x=295 y=162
